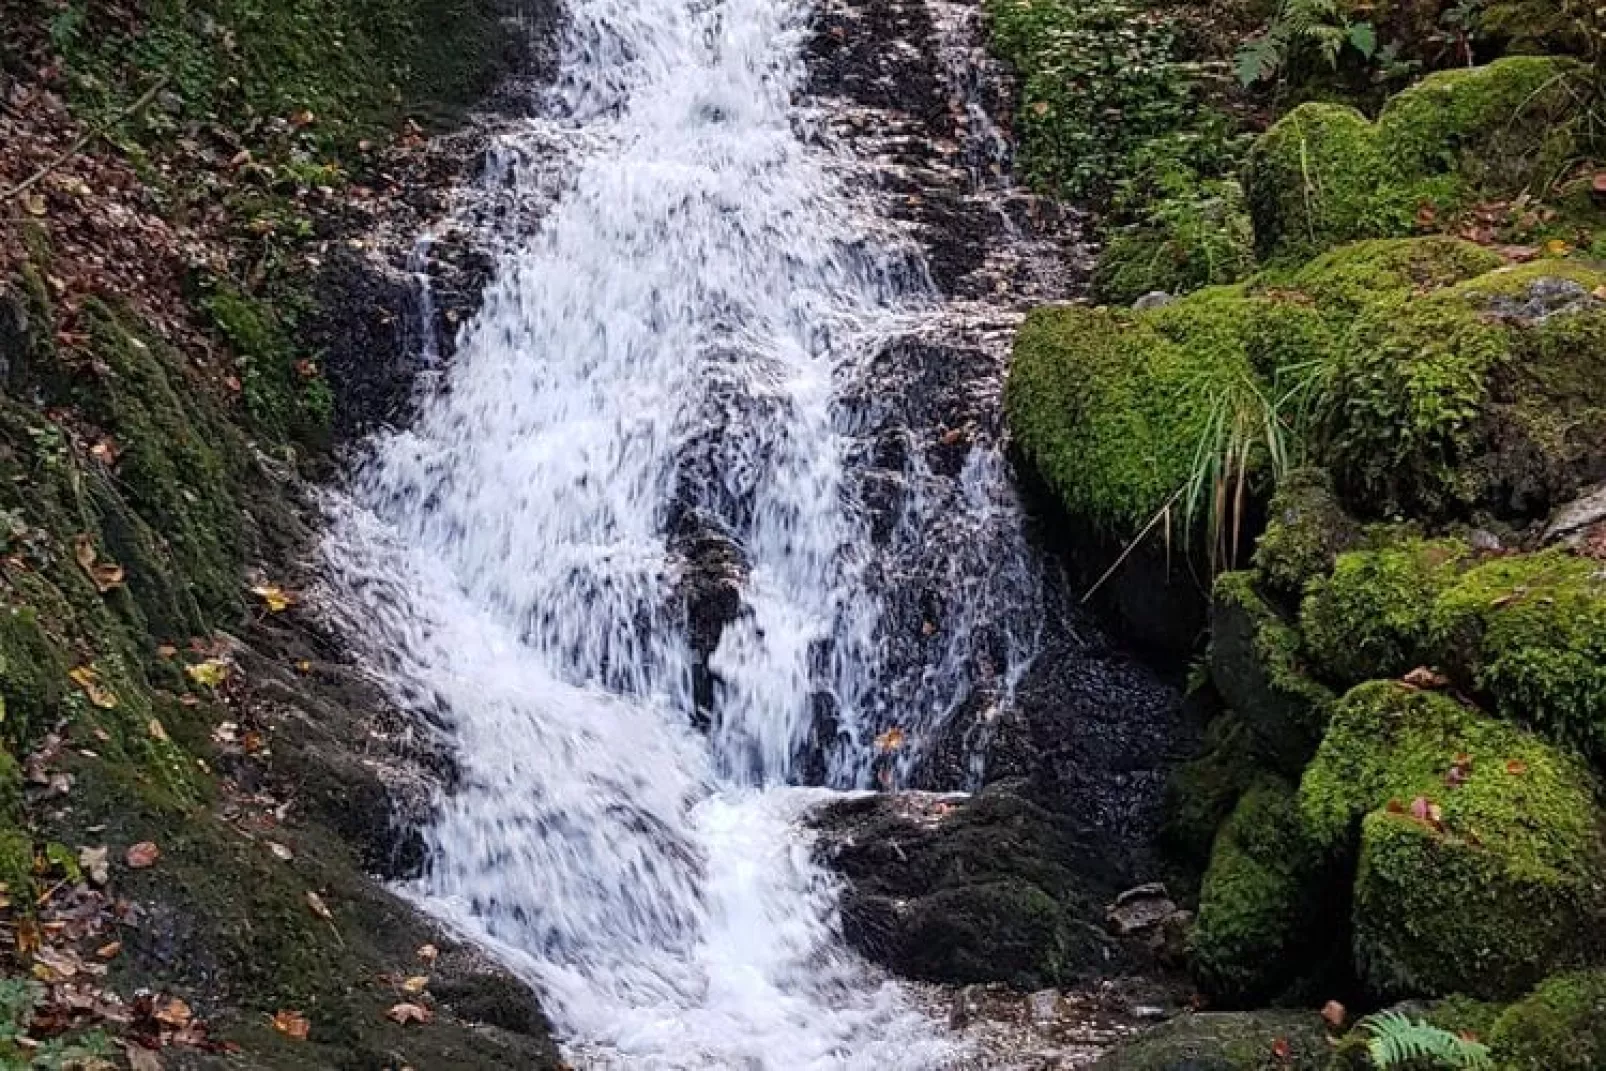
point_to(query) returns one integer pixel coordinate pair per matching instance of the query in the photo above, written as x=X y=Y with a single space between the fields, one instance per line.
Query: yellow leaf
x=415 y=985
x=319 y=908
x=210 y=674
x=275 y=598
x=1557 y=248
x=87 y=679
x=890 y=740
x=157 y=730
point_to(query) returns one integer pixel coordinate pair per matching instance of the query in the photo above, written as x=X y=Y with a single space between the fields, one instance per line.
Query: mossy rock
x=32 y=677
x=1487 y=394
x=1256 y=665
x=1529 y=633
x=1261 y=903
x=1306 y=530
x=1112 y=408
x=1226 y=1041
x=1560 y=1026
x=1184 y=243
x=1525 y=633
x=1480 y=855
x=1370 y=617
x=1324 y=175
x=1202 y=792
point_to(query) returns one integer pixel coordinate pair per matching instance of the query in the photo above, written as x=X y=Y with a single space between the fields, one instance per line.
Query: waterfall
x=676 y=353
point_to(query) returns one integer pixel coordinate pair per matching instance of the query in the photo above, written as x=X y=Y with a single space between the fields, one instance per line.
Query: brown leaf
x=105 y=575
x=157 y=730
x=1280 y=1049
x=1334 y=1013
x=1516 y=767
x=415 y=985
x=1423 y=677
x=142 y=855
x=292 y=1024
x=140 y=1058
x=109 y=950
x=405 y=1013
x=319 y=908
x=175 y=1013
x=428 y=953
x=275 y=598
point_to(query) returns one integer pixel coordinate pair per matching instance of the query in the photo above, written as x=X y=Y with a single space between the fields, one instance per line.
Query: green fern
x=1396 y=1040
x=1301 y=29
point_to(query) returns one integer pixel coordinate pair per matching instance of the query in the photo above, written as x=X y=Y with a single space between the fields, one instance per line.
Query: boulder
x=1244 y=1041
x=1480 y=863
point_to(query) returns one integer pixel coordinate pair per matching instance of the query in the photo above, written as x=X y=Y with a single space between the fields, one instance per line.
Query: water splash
x=674 y=337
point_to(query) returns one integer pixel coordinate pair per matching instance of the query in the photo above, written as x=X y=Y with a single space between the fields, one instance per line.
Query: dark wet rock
x=989 y=888
x=709 y=592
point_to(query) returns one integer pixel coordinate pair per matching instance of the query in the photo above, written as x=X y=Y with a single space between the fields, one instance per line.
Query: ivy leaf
x=1363 y=38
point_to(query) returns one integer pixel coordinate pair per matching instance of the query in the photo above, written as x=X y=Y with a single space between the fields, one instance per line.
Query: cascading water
x=675 y=339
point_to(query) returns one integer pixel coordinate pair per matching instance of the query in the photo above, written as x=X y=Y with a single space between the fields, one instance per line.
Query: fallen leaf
x=890 y=740
x=415 y=985
x=105 y=575
x=35 y=204
x=319 y=908
x=142 y=855
x=210 y=674
x=1557 y=248
x=275 y=598
x=1334 y=1013
x=1516 y=767
x=1279 y=1048
x=1423 y=677
x=106 y=451
x=428 y=953
x=405 y=1013
x=157 y=730
x=280 y=852
x=292 y=1024
x=175 y=1013
x=140 y=1058
x=109 y=950
x=87 y=679
x=166 y=650
x=94 y=863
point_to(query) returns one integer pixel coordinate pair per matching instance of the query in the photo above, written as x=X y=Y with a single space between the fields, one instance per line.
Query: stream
x=668 y=557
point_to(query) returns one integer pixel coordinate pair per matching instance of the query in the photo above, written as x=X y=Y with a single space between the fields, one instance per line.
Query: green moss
x=1241 y=1041
x=16 y=867
x=1324 y=175
x=1256 y=665
x=1261 y=900
x=284 y=396
x=1561 y=1026
x=31 y=678
x=180 y=463
x=1502 y=128
x=1348 y=281
x=1184 y=242
x=1370 y=617
x=1306 y=530
x=1529 y=632
x=1202 y=792
x=1486 y=890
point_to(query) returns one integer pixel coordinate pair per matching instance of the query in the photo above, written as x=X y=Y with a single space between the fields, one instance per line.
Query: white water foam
x=505 y=563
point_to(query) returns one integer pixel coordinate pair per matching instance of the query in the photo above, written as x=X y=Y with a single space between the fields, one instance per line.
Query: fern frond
x=1397 y=1040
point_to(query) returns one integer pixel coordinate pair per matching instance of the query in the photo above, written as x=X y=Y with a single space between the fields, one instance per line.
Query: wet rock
x=1145 y=907
x=982 y=889
x=1043 y=1005
x=1248 y=1041
x=1154 y=300
x=1580 y=523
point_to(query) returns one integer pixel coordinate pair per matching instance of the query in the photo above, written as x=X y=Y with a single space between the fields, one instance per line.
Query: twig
x=1163 y=512
x=84 y=139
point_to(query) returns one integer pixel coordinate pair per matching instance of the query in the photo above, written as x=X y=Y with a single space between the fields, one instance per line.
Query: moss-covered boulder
x=1182 y=243
x=1490 y=393
x=1480 y=864
x=1256 y=665
x=1217 y=1041
x=1325 y=175
x=1525 y=633
x=1261 y=903
x=1370 y=617
x=1560 y=1026
x=1529 y=633
x=1306 y=530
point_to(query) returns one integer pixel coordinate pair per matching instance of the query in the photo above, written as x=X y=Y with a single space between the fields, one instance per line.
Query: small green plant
x=1396 y=1040
x=1304 y=31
